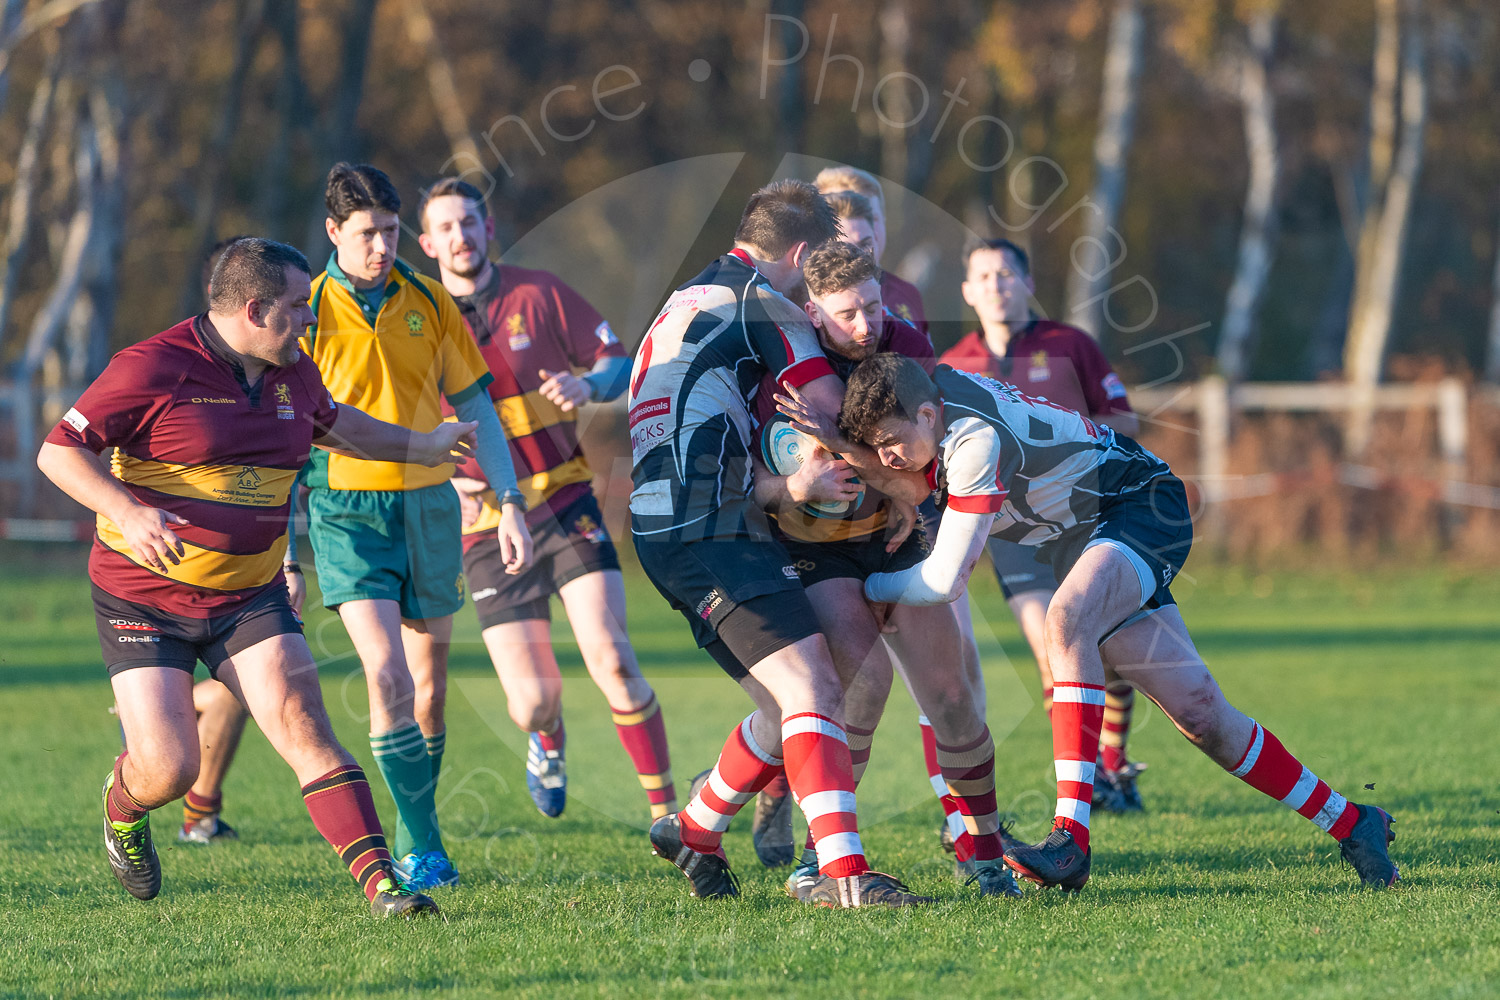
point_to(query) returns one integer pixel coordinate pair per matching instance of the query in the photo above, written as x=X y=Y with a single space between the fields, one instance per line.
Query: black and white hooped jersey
x=692 y=393
x=1039 y=468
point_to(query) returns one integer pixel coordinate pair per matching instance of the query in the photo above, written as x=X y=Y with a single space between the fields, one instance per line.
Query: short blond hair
x=847 y=178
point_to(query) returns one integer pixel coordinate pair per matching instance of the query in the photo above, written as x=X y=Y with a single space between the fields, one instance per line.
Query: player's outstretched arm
x=358 y=434
x=83 y=476
x=941 y=577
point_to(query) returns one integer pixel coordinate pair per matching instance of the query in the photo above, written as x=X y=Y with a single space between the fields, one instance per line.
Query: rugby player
x=1114 y=521
x=703 y=538
x=212 y=418
x=834 y=557
x=1064 y=365
x=386 y=534
x=533 y=330
x=900 y=297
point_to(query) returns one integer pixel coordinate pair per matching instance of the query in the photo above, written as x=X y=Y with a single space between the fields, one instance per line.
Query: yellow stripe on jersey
x=245 y=485
x=536 y=489
x=206 y=568
x=418 y=351
x=531 y=412
x=806 y=528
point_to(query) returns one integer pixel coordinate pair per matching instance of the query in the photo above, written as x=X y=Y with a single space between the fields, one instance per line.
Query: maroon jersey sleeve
x=1102 y=388
x=587 y=334
x=907 y=339
x=121 y=404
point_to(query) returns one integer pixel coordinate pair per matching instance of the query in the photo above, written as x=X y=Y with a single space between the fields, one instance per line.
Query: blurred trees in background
x=1283 y=191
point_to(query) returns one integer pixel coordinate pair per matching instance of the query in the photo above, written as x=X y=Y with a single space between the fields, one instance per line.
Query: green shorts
x=389 y=546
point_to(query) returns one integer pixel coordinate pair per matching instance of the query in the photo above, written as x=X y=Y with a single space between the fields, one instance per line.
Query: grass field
x=1386 y=680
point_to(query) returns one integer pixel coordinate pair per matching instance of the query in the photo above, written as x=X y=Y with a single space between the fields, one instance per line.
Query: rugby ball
x=784 y=448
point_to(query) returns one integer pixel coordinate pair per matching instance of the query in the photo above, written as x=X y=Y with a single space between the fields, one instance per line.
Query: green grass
x=1386 y=679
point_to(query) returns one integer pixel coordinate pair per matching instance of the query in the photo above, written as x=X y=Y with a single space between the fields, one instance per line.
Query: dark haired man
x=1114 y=522
x=212 y=419
x=835 y=555
x=1064 y=365
x=704 y=540
x=533 y=331
x=386 y=533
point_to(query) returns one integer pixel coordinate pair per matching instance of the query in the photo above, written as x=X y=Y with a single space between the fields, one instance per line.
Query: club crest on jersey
x=1039 y=369
x=904 y=311
x=589 y=529
x=284 y=409
x=414 y=322
x=515 y=327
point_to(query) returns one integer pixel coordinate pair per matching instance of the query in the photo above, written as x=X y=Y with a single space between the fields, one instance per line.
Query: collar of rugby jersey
x=211 y=341
x=476 y=305
x=369 y=299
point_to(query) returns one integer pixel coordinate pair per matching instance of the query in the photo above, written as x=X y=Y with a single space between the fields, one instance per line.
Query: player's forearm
x=491 y=449
x=941 y=577
x=360 y=435
x=83 y=476
x=608 y=378
x=771 y=491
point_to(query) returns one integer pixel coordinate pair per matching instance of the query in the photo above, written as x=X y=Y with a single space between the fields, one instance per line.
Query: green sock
x=436 y=743
x=402 y=758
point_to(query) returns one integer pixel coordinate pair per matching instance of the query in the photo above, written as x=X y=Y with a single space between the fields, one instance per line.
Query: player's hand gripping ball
x=784 y=448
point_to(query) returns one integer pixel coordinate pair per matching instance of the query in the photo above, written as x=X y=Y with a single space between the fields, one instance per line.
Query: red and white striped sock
x=963 y=843
x=821 y=774
x=1077 y=717
x=860 y=741
x=969 y=771
x=1119 y=705
x=742 y=769
x=1268 y=767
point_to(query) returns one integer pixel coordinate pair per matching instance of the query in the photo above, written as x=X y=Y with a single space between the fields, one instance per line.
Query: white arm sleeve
x=941 y=577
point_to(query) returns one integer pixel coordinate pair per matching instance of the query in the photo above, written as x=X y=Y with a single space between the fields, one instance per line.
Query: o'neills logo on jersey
x=650 y=423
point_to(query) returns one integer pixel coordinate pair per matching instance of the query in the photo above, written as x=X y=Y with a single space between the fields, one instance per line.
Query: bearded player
x=533 y=332
x=698 y=521
x=1114 y=522
x=835 y=555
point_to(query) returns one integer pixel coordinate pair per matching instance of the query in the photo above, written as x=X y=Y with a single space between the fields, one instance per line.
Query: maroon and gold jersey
x=1051 y=361
x=526 y=321
x=192 y=438
x=903 y=299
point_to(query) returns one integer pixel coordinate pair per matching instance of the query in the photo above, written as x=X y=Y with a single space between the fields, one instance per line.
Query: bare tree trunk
x=10 y=25
x=443 y=84
x=339 y=127
x=1258 y=232
x=895 y=98
x=791 y=103
x=1492 y=355
x=1378 y=282
x=1088 y=282
x=23 y=192
x=292 y=114
x=214 y=159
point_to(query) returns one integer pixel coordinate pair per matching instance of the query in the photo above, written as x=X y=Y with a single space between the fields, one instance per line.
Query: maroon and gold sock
x=197 y=807
x=343 y=811
x=555 y=740
x=644 y=736
x=119 y=805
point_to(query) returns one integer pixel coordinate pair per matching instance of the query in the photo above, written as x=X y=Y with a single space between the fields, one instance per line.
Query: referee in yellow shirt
x=387 y=534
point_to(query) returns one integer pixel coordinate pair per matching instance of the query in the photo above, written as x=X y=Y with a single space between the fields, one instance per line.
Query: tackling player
x=387 y=533
x=704 y=540
x=1064 y=365
x=532 y=331
x=1114 y=521
x=212 y=419
x=835 y=555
